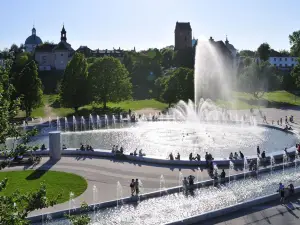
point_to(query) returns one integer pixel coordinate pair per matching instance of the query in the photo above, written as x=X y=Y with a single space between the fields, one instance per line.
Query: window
x=285 y=59
x=292 y=65
x=286 y=65
x=62 y=54
x=44 y=59
x=292 y=59
x=280 y=65
x=274 y=64
x=275 y=59
x=279 y=59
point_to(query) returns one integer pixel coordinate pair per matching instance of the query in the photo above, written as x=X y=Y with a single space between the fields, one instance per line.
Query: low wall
x=231 y=209
x=155 y=194
x=154 y=160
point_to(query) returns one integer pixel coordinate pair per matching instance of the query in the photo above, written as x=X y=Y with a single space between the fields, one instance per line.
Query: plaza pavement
x=105 y=173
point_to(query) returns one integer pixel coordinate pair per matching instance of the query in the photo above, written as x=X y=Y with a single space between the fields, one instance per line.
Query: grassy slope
x=56 y=183
x=240 y=100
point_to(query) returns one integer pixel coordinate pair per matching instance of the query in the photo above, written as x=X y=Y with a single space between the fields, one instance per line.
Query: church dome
x=33 y=39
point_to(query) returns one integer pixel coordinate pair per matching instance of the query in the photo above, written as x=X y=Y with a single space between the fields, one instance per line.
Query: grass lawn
x=56 y=183
x=242 y=100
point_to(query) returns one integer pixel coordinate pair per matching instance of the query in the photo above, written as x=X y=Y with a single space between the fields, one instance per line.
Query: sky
x=143 y=24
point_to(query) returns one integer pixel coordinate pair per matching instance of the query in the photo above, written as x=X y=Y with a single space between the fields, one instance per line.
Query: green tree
x=247 y=53
x=295 y=43
x=109 y=80
x=15 y=208
x=247 y=61
x=178 y=86
x=167 y=58
x=29 y=88
x=296 y=73
x=264 y=51
x=82 y=219
x=74 y=87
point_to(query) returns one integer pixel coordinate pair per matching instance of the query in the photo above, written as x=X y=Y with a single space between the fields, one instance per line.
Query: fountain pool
x=160 y=138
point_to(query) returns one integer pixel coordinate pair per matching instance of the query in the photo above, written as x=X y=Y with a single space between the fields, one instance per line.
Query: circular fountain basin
x=162 y=137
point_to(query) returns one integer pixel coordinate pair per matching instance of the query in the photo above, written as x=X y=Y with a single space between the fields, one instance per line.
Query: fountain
x=98 y=122
x=245 y=167
x=82 y=123
x=95 y=200
x=74 y=124
x=71 y=201
x=284 y=161
x=198 y=172
x=91 y=122
x=257 y=165
x=180 y=179
x=58 y=123
x=106 y=120
x=66 y=124
x=231 y=167
x=272 y=162
x=119 y=194
x=162 y=184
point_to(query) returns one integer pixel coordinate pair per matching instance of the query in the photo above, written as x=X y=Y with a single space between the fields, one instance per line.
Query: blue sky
x=106 y=24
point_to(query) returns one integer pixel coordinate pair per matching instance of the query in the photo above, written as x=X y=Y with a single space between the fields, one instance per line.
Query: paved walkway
x=105 y=173
x=272 y=213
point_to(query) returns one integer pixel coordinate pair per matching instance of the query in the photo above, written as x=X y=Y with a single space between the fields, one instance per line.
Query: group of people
x=189 y=181
x=135 y=187
x=262 y=155
x=236 y=155
x=86 y=148
x=171 y=157
x=282 y=190
x=115 y=150
x=140 y=152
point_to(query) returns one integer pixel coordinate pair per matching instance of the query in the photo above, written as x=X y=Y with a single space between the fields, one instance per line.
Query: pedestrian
x=258 y=151
x=137 y=187
x=132 y=187
x=282 y=195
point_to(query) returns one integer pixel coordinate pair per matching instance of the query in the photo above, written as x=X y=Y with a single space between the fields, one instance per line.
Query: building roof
x=33 y=40
x=183 y=26
x=45 y=47
x=61 y=46
x=83 y=48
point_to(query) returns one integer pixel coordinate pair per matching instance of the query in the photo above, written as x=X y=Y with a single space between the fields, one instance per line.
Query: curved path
x=105 y=173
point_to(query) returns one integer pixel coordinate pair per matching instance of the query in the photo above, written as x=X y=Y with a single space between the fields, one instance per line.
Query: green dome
x=33 y=40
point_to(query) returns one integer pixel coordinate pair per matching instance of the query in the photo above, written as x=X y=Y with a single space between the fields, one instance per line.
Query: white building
x=32 y=41
x=282 y=62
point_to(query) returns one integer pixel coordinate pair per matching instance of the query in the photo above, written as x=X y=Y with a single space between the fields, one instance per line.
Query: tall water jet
x=296 y=158
x=245 y=167
x=258 y=164
x=272 y=163
x=162 y=184
x=95 y=199
x=212 y=72
x=198 y=174
x=58 y=123
x=98 y=122
x=180 y=179
x=231 y=167
x=119 y=193
x=106 y=120
x=82 y=123
x=66 y=124
x=284 y=161
x=74 y=124
x=91 y=122
x=71 y=200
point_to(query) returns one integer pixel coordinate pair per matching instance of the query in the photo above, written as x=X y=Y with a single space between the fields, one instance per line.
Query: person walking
x=137 y=187
x=258 y=151
x=132 y=187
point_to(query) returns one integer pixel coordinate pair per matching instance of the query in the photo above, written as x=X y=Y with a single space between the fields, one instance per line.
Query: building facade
x=282 y=62
x=116 y=53
x=54 y=56
x=183 y=36
x=32 y=41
